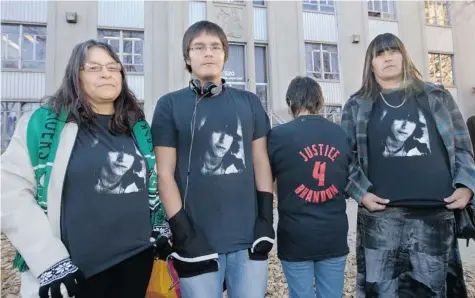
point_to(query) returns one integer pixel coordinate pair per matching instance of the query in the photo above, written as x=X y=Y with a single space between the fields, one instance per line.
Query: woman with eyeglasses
x=79 y=196
x=415 y=167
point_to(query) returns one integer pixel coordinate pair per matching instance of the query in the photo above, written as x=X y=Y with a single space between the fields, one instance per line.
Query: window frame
x=448 y=5
x=380 y=14
x=20 y=60
x=121 y=48
x=266 y=69
x=452 y=70
x=322 y=63
x=246 y=68
x=318 y=6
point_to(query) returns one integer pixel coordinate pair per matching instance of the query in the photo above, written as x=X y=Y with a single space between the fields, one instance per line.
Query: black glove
x=63 y=272
x=263 y=230
x=162 y=248
x=191 y=252
x=160 y=238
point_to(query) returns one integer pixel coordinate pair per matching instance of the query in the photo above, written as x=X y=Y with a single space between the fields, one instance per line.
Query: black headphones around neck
x=209 y=89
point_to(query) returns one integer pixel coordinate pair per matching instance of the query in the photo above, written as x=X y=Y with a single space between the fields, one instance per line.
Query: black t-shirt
x=310 y=157
x=221 y=197
x=408 y=162
x=105 y=211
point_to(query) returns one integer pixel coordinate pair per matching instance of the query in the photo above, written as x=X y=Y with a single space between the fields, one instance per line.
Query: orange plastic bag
x=162 y=283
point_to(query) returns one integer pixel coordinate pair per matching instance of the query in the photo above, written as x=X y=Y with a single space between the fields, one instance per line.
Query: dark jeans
x=127 y=279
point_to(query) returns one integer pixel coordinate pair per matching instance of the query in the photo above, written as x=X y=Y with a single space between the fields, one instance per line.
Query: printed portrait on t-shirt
x=122 y=173
x=223 y=151
x=404 y=133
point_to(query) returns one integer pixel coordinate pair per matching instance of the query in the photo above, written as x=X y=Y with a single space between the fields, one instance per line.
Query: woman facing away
x=80 y=200
x=415 y=168
x=310 y=158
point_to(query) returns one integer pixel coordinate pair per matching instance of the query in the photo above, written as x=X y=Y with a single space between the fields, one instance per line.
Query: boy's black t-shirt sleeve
x=261 y=121
x=163 y=126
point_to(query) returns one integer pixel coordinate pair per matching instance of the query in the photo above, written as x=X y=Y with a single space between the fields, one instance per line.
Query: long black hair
x=71 y=98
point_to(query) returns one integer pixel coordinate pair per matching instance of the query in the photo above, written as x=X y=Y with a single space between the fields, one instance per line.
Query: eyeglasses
x=95 y=67
x=202 y=49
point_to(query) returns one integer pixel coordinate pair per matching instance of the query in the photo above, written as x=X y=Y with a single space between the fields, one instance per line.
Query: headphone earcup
x=195 y=85
x=208 y=89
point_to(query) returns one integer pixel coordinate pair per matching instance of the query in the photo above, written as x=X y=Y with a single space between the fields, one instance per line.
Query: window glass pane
x=10 y=64
x=33 y=64
x=317 y=61
x=430 y=10
x=138 y=47
x=138 y=59
x=127 y=59
x=377 y=5
x=257 y=2
x=326 y=62
x=434 y=68
x=28 y=47
x=385 y=7
x=9 y=120
x=238 y=86
x=325 y=8
x=447 y=70
x=261 y=65
x=10 y=29
x=127 y=46
x=261 y=91
x=308 y=56
x=442 y=11
x=310 y=5
x=333 y=113
x=34 y=30
x=234 y=69
x=40 y=50
x=12 y=46
x=133 y=68
x=370 y=5
x=110 y=37
x=108 y=34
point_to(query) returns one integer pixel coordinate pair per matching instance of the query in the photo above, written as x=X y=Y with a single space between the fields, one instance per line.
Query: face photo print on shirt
x=121 y=173
x=404 y=132
x=223 y=150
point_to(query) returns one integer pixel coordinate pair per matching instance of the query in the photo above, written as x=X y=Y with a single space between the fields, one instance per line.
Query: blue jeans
x=245 y=278
x=329 y=277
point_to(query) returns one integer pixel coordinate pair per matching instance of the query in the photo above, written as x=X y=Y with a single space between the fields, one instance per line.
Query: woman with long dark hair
x=415 y=167
x=81 y=204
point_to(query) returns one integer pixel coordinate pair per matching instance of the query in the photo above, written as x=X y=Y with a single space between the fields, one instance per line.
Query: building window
x=437 y=12
x=234 y=71
x=332 y=113
x=322 y=61
x=128 y=45
x=381 y=9
x=441 y=69
x=10 y=113
x=319 y=5
x=258 y=3
x=23 y=46
x=262 y=86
